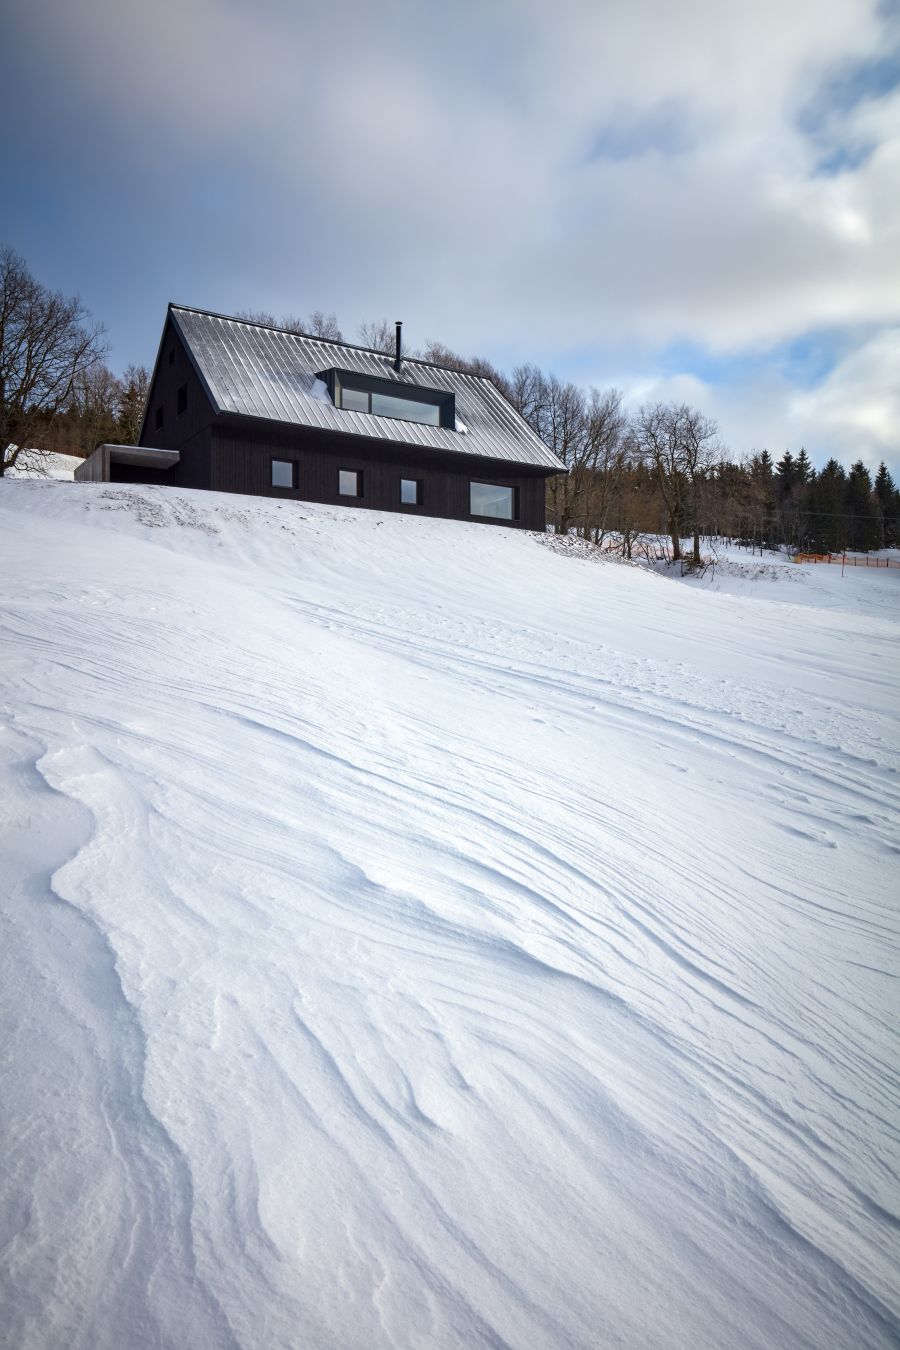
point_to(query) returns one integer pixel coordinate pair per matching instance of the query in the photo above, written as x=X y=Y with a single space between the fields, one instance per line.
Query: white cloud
x=857 y=407
x=853 y=413
x=447 y=163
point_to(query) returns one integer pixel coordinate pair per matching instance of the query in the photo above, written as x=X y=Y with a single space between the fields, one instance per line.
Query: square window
x=410 y=492
x=282 y=473
x=349 y=483
x=158 y=420
x=181 y=399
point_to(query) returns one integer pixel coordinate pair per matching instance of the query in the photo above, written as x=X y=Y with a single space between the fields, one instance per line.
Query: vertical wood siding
x=242 y=462
x=177 y=428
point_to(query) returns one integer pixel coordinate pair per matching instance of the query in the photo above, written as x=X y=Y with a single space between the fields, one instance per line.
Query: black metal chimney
x=397 y=350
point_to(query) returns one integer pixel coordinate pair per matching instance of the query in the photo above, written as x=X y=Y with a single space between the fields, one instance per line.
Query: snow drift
x=415 y=937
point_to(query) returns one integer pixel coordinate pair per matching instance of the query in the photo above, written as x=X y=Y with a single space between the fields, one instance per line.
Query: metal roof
x=255 y=371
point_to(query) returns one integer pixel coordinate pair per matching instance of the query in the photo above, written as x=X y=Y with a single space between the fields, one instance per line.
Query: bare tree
x=699 y=452
x=324 y=325
x=46 y=344
x=264 y=317
x=379 y=334
x=604 y=462
x=292 y=322
x=470 y=365
x=316 y=324
x=133 y=390
x=681 y=446
x=637 y=505
x=93 y=409
x=557 y=413
x=657 y=432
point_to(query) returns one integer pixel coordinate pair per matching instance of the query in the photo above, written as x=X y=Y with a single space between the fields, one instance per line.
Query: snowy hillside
x=45 y=464
x=419 y=938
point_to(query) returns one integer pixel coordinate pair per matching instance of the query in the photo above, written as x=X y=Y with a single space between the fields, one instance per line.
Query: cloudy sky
x=697 y=199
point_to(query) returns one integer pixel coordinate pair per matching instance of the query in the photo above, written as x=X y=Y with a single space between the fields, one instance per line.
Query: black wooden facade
x=227 y=452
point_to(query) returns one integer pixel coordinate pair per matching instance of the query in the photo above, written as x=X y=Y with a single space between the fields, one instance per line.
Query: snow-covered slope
x=419 y=938
x=45 y=464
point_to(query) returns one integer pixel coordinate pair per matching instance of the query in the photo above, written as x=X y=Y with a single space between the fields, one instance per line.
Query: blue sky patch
x=847 y=88
x=664 y=130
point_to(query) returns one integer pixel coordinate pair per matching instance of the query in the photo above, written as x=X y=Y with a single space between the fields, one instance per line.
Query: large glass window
x=408 y=409
x=489 y=499
x=350 y=483
x=282 y=473
x=410 y=492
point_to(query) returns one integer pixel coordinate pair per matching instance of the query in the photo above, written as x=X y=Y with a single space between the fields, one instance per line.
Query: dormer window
x=390 y=398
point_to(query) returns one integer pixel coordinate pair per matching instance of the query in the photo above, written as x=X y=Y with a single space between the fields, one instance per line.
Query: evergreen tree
x=862 y=527
x=803 y=468
x=828 y=526
x=788 y=526
x=785 y=476
x=761 y=467
x=887 y=505
x=761 y=497
x=805 y=476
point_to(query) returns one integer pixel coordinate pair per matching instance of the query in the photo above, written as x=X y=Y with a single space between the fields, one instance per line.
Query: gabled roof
x=254 y=371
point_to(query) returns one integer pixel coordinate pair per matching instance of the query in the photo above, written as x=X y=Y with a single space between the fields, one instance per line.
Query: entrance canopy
x=96 y=468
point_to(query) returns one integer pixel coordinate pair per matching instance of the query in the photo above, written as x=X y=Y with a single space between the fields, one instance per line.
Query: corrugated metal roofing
x=267 y=372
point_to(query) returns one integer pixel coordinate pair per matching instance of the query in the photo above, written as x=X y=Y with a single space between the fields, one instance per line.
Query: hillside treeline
x=100 y=407
x=663 y=472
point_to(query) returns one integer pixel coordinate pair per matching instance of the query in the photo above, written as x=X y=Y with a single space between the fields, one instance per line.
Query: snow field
x=44 y=465
x=419 y=938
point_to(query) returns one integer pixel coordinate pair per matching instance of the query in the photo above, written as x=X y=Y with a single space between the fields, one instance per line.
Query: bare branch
x=46 y=348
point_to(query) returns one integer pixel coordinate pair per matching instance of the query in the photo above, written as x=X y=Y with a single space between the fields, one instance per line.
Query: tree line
x=56 y=393
x=656 y=477
x=661 y=476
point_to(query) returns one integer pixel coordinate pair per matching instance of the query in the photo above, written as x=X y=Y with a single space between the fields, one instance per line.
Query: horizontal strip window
x=350 y=483
x=410 y=492
x=494 y=501
x=354 y=392
x=284 y=473
x=407 y=409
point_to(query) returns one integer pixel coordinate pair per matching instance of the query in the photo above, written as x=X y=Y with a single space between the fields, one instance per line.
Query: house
x=236 y=406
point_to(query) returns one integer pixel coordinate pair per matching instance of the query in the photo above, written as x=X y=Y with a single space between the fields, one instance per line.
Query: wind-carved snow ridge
x=469 y=946
x=135 y=1196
